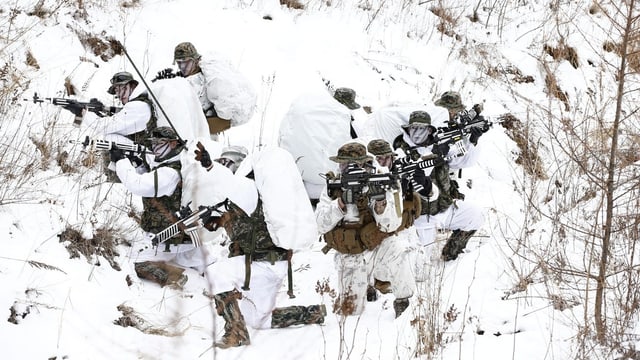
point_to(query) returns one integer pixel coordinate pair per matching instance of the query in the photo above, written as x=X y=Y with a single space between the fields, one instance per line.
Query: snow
x=388 y=57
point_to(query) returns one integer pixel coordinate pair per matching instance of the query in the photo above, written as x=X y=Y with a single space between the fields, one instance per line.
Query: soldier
x=347 y=97
x=363 y=231
x=448 y=211
x=134 y=121
x=256 y=267
x=161 y=187
x=131 y=124
x=225 y=95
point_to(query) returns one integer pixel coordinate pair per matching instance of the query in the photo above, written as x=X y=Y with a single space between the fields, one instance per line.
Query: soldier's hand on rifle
x=441 y=149
x=76 y=109
x=116 y=154
x=420 y=178
x=202 y=155
x=475 y=135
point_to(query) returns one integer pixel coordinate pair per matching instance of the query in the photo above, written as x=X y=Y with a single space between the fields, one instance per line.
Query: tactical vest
x=142 y=136
x=159 y=212
x=250 y=237
x=356 y=237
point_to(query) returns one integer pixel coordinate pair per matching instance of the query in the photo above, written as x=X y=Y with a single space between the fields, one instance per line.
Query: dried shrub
x=130 y=4
x=563 y=52
x=104 y=243
x=294 y=4
x=528 y=157
x=31 y=61
x=69 y=87
x=554 y=90
x=447 y=22
x=105 y=47
x=633 y=51
x=39 y=10
x=513 y=71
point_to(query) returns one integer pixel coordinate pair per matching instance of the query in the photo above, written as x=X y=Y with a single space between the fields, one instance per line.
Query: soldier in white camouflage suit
x=247 y=283
x=367 y=245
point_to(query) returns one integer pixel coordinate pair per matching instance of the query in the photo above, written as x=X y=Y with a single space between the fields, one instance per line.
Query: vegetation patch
x=102 y=244
x=105 y=47
x=528 y=157
x=563 y=52
x=295 y=4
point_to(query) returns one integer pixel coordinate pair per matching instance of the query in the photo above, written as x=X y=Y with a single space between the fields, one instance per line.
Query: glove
x=441 y=149
x=478 y=108
x=475 y=135
x=136 y=161
x=202 y=155
x=116 y=154
x=74 y=108
x=420 y=178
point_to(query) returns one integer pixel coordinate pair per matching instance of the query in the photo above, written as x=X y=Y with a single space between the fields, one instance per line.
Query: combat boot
x=382 y=286
x=455 y=244
x=298 y=315
x=235 y=330
x=400 y=305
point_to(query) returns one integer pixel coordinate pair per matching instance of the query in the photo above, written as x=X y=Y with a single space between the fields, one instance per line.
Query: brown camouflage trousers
x=298 y=315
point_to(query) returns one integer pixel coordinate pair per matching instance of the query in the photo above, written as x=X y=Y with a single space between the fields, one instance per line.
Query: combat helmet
x=184 y=51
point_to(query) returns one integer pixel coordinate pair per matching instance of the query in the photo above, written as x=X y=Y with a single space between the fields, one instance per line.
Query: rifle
x=406 y=167
x=105 y=145
x=131 y=151
x=357 y=180
x=190 y=221
x=94 y=105
x=461 y=125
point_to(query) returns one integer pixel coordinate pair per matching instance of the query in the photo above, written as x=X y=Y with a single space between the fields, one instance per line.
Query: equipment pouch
x=345 y=241
x=371 y=236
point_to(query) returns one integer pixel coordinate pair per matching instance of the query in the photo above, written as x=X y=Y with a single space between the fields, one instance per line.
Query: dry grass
x=528 y=157
x=295 y=4
x=104 y=243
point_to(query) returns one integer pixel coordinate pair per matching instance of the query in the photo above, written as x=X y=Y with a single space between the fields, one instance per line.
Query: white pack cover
x=313 y=129
x=231 y=92
x=181 y=104
x=386 y=122
x=202 y=187
x=290 y=218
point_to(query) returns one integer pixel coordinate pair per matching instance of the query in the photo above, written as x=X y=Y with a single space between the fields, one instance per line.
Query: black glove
x=475 y=135
x=441 y=149
x=202 y=155
x=116 y=154
x=76 y=109
x=421 y=179
x=136 y=161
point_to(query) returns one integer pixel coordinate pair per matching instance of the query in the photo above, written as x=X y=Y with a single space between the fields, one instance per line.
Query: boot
x=298 y=315
x=235 y=330
x=455 y=244
x=400 y=305
x=382 y=286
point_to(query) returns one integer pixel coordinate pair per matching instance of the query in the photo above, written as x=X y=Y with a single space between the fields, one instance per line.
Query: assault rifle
x=357 y=180
x=461 y=125
x=190 y=221
x=406 y=167
x=105 y=145
x=94 y=105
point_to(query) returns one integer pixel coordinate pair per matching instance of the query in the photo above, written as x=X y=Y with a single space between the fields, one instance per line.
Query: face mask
x=419 y=135
x=186 y=67
x=123 y=92
x=161 y=150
